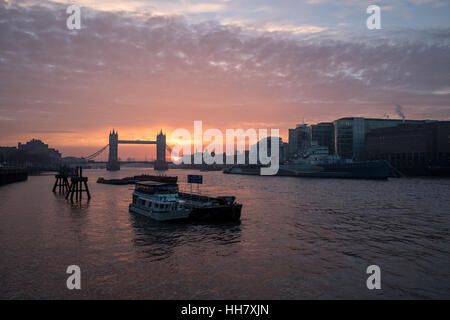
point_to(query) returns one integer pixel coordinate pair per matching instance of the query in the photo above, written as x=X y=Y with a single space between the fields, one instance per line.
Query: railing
x=194 y=191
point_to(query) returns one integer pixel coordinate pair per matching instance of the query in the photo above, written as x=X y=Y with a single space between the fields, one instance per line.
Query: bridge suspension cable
x=92 y=156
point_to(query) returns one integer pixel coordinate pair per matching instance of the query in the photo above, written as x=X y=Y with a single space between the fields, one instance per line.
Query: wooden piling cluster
x=76 y=187
x=62 y=180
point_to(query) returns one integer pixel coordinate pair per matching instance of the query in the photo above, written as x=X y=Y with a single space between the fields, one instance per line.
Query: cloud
x=442 y=91
x=275 y=27
x=159 y=7
x=145 y=72
x=434 y=3
x=205 y=7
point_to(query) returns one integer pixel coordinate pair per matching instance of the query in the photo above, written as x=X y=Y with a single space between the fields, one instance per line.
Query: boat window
x=149 y=203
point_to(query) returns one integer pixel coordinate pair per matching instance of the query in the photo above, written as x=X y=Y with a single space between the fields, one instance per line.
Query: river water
x=299 y=238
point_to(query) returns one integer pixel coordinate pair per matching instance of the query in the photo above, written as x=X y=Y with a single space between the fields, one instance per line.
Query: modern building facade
x=323 y=134
x=412 y=148
x=299 y=140
x=350 y=134
x=284 y=152
x=267 y=143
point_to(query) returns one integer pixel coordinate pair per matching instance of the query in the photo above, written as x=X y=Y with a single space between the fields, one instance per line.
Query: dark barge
x=139 y=178
x=205 y=208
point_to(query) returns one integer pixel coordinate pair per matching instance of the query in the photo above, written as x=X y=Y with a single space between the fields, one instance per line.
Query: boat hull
x=202 y=214
x=161 y=216
x=373 y=170
x=219 y=213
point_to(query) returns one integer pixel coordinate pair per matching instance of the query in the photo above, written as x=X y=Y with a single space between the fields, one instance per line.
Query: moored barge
x=164 y=202
x=134 y=179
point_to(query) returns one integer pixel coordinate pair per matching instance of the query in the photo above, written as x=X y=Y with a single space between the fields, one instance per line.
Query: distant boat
x=139 y=178
x=164 y=179
x=115 y=181
x=211 y=168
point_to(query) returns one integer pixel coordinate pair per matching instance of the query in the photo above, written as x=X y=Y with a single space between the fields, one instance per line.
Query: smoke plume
x=399 y=111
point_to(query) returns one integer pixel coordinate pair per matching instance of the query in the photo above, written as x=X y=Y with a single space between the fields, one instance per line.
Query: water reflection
x=299 y=238
x=79 y=205
x=158 y=240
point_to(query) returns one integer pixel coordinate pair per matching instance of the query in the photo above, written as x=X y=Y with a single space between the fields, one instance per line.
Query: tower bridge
x=113 y=163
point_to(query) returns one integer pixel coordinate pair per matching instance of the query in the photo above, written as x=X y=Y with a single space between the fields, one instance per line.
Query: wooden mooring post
x=62 y=181
x=76 y=187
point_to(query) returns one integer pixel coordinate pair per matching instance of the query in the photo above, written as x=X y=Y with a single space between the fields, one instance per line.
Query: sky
x=139 y=66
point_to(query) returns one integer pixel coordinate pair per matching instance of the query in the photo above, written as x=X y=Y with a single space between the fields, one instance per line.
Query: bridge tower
x=113 y=160
x=160 y=163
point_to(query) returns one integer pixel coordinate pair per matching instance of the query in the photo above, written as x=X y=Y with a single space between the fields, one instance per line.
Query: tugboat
x=163 y=202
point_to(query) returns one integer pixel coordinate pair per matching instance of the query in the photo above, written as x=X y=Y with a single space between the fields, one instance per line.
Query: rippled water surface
x=299 y=238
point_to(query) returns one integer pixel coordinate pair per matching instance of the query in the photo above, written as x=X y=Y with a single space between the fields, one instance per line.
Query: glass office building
x=350 y=134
